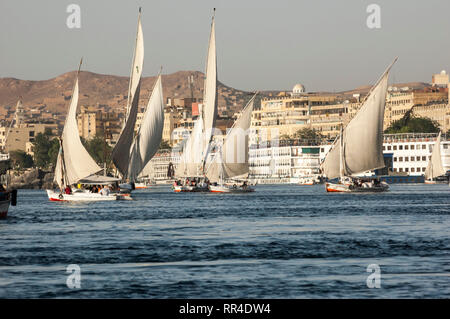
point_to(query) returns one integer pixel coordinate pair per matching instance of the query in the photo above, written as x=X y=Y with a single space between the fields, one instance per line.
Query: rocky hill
x=54 y=94
x=100 y=89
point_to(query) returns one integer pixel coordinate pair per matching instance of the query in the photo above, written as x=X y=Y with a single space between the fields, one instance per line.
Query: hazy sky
x=261 y=44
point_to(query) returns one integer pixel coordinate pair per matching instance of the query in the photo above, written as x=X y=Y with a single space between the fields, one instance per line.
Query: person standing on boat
x=105 y=191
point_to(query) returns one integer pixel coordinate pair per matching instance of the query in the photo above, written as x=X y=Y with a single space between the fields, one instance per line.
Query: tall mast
x=132 y=70
x=341 y=153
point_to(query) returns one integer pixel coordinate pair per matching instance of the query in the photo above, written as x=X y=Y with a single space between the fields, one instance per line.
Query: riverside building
x=283 y=115
x=406 y=158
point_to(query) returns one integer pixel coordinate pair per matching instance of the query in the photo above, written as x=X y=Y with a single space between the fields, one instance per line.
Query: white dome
x=298 y=88
x=443 y=72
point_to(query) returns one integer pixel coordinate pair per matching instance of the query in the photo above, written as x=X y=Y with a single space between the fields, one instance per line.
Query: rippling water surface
x=279 y=242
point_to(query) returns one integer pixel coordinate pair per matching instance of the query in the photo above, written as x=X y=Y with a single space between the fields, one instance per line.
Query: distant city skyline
x=261 y=45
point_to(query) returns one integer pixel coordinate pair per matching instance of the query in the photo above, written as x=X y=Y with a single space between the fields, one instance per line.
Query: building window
x=424 y=158
x=406 y=147
x=400 y=169
x=406 y=158
x=400 y=147
x=400 y=159
x=395 y=159
x=418 y=158
x=423 y=169
x=413 y=169
x=412 y=147
x=424 y=146
x=389 y=147
x=395 y=147
x=406 y=169
x=412 y=158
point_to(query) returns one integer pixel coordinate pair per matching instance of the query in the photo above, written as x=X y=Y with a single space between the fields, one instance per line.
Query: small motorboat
x=78 y=195
x=309 y=180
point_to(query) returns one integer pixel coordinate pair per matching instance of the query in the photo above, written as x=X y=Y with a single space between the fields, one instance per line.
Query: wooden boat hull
x=345 y=188
x=189 y=189
x=4 y=207
x=7 y=198
x=82 y=197
x=230 y=189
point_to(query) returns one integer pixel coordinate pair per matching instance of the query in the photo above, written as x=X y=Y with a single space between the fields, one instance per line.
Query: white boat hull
x=348 y=188
x=81 y=197
x=230 y=189
x=143 y=185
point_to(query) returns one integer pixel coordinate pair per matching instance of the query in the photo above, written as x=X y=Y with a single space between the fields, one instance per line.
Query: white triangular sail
x=362 y=138
x=209 y=109
x=121 y=151
x=232 y=158
x=74 y=162
x=196 y=148
x=192 y=156
x=435 y=167
x=149 y=136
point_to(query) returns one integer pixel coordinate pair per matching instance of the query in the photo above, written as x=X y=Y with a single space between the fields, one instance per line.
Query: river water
x=279 y=242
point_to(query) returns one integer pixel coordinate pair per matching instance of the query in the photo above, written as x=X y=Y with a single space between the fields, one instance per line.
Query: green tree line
x=413 y=124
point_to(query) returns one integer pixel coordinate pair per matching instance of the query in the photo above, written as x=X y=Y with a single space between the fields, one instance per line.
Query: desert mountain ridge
x=100 y=89
x=54 y=94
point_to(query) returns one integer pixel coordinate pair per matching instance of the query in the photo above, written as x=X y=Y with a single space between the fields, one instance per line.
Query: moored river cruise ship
x=406 y=157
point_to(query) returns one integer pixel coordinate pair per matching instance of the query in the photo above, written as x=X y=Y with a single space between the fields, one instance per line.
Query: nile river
x=279 y=242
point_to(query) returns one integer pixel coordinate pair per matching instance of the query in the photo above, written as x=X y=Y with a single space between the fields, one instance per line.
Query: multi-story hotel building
x=287 y=113
x=92 y=122
x=22 y=137
x=429 y=102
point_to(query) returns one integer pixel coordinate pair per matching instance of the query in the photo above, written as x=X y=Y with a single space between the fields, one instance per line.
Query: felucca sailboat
x=435 y=167
x=359 y=147
x=191 y=170
x=227 y=170
x=74 y=165
x=132 y=152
